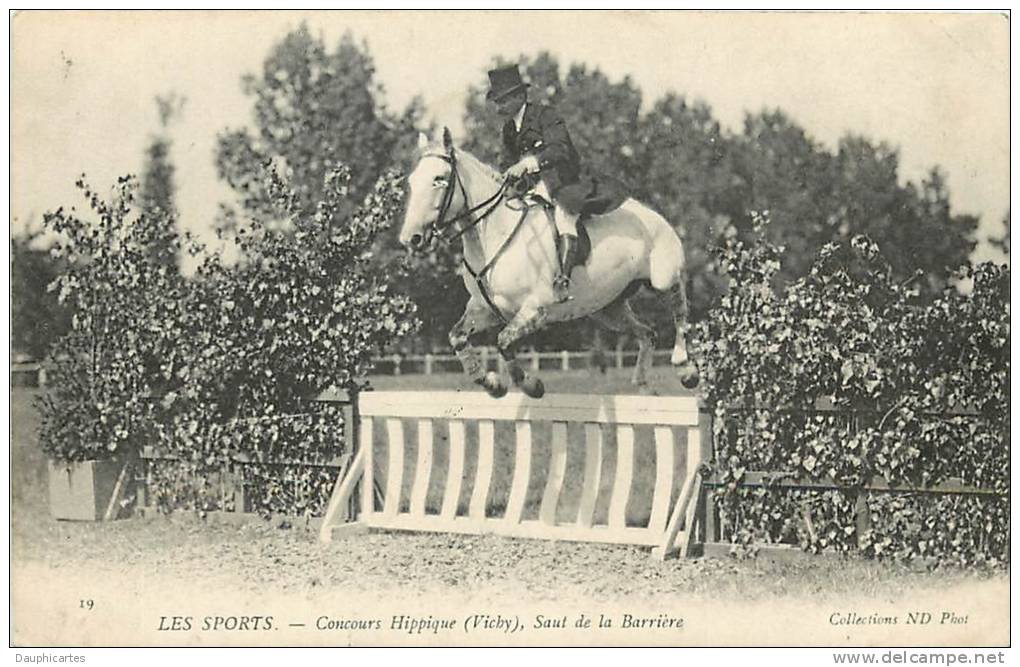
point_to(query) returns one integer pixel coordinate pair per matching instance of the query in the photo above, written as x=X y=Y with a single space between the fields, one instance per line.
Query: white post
x=534 y=360
x=565 y=360
x=619 y=357
x=485 y=358
x=428 y=364
x=396 y=364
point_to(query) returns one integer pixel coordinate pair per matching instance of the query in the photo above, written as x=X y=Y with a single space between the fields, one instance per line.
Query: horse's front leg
x=477 y=319
x=526 y=322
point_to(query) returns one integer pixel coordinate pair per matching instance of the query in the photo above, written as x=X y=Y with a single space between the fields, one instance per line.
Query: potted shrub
x=120 y=295
x=87 y=431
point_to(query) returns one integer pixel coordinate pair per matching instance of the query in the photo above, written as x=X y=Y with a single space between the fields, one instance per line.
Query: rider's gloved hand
x=526 y=165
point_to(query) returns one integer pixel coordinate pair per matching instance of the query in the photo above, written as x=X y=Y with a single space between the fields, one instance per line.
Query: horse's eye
x=439 y=181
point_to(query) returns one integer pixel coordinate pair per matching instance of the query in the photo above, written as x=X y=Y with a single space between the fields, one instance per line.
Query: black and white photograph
x=511 y=328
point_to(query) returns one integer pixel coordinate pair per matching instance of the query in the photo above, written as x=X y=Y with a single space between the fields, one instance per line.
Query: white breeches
x=566 y=223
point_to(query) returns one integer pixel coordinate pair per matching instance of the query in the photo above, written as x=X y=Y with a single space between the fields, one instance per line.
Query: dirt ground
x=139 y=574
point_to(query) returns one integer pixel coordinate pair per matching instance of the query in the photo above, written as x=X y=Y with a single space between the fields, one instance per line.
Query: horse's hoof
x=533 y=387
x=689 y=376
x=493 y=384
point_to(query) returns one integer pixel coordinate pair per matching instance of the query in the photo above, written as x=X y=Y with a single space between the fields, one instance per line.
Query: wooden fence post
x=238 y=489
x=862 y=516
x=706 y=507
x=351 y=430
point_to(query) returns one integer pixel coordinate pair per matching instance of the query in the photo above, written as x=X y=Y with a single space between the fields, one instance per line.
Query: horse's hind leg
x=618 y=316
x=668 y=276
x=677 y=297
x=476 y=320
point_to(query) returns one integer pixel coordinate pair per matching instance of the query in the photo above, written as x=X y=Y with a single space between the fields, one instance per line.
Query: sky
x=934 y=85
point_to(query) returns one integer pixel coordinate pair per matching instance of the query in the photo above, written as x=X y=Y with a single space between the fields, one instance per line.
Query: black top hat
x=504 y=81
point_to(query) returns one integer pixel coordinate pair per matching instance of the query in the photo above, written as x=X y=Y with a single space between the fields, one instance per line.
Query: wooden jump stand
x=670 y=529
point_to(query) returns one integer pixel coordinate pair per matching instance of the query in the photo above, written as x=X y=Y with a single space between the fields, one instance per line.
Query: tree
x=1001 y=243
x=314 y=110
x=317 y=110
x=158 y=188
x=686 y=170
x=815 y=197
x=708 y=182
x=37 y=317
x=789 y=175
x=929 y=237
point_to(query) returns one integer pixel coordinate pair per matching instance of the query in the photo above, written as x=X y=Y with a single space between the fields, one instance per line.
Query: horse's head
x=433 y=195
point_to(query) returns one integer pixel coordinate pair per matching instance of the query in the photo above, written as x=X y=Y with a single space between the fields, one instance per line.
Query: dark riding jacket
x=544 y=135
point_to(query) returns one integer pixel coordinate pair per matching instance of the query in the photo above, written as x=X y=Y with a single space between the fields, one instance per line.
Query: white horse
x=510 y=261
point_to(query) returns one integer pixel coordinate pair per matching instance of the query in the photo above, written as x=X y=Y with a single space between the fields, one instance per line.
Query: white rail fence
x=33 y=374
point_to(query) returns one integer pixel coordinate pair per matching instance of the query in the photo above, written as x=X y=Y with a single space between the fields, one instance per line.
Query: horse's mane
x=477 y=165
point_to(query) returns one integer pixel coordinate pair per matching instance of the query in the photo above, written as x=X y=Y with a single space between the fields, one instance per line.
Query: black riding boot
x=568 y=258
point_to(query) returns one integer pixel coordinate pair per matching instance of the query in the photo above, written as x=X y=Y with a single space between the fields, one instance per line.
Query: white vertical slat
x=592 y=474
x=686 y=504
x=663 y=478
x=624 y=476
x=557 y=469
x=695 y=455
x=368 y=480
x=395 y=467
x=693 y=451
x=423 y=468
x=455 y=477
x=522 y=473
x=483 y=473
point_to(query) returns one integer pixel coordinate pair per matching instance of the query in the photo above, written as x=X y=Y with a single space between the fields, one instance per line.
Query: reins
x=442 y=224
x=489 y=205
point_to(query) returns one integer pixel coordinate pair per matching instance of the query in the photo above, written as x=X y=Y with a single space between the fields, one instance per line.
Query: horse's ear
x=423 y=141
x=447 y=140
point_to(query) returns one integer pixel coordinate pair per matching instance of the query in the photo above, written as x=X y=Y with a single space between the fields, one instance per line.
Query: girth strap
x=479 y=275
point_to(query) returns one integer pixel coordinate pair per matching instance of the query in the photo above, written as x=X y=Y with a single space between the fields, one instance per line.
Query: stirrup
x=561 y=289
x=568 y=259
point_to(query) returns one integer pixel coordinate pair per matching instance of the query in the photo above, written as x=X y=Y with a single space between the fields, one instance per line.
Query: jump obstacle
x=387 y=493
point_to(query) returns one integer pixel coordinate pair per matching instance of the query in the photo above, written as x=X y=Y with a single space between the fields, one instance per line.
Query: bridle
x=441 y=225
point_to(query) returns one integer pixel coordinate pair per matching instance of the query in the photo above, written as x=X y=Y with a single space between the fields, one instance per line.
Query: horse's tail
x=667 y=265
x=668 y=275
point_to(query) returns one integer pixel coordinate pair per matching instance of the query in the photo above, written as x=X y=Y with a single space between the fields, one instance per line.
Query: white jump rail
x=669 y=529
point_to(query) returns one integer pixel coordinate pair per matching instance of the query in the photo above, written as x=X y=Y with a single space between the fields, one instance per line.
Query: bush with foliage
x=846 y=375
x=103 y=369
x=219 y=371
x=259 y=340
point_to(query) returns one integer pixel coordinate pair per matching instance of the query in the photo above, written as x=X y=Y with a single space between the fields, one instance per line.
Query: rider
x=538 y=149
